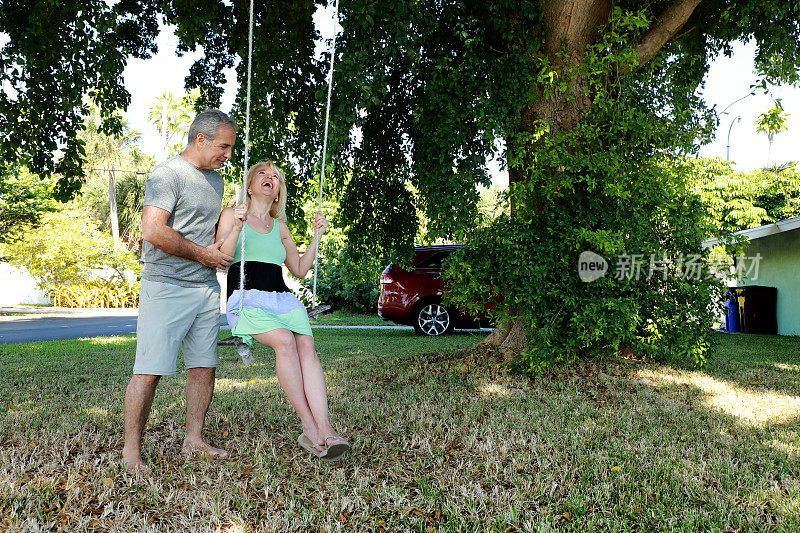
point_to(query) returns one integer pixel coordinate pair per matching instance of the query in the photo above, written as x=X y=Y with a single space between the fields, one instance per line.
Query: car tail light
x=386 y=278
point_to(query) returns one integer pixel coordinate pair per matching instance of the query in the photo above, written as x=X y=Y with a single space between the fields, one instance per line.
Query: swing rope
x=243 y=195
x=244 y=350
x=325 y=148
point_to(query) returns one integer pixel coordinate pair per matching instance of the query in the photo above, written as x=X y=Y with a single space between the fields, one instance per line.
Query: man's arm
x=156 y=232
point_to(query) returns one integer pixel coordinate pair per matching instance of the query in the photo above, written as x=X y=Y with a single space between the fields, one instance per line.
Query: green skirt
x=253 y=321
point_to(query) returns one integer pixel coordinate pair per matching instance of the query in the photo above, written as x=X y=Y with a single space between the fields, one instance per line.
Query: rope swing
x=243 y=195
x=244 y=350
x=325 y=145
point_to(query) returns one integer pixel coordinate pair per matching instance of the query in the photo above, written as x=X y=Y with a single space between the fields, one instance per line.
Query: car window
x=433 y=261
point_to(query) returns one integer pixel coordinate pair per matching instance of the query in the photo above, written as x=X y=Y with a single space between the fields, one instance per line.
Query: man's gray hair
x=208 y=123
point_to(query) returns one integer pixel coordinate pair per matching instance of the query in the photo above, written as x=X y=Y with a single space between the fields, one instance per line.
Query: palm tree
x=772 y=121
x=172 y=115
x=110 y=154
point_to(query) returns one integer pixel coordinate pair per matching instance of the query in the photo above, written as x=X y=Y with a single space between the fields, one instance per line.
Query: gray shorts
x=172 y=317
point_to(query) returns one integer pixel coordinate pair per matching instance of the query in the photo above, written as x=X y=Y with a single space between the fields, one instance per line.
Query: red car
x=414 y=297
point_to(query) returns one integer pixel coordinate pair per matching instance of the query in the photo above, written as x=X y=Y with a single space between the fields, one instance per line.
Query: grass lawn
x=344 y=318
x=441 y=443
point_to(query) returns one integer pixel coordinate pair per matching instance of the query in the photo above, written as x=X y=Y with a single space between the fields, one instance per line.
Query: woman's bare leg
x=314 y=384
x=290 y=377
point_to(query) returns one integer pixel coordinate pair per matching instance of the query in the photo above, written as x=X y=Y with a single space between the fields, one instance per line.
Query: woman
x=270 y=313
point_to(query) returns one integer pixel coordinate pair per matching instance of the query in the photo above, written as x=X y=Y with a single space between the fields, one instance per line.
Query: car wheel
x=433 y=319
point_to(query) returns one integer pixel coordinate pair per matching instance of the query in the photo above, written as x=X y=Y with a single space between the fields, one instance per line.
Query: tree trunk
x=516 y=341
x=573 y=26
x=508 y=340
x=496 y=337
x=769 y=150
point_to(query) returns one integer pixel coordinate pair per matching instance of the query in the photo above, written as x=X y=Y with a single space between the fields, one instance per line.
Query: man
x=179 y=299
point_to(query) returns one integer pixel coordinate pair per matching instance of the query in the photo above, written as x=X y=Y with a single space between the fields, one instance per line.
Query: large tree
x=591 y=100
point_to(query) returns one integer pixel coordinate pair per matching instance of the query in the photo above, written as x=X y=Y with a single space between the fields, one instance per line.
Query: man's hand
x=213 y=257
x=156 y=232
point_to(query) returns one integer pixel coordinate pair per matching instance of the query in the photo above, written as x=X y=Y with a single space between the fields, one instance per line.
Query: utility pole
x=112 y=202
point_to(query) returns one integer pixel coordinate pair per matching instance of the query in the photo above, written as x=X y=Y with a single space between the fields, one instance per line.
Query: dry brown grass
x=441 y=443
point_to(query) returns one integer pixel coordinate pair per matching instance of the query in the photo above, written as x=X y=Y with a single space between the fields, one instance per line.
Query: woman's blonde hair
x=278 y=208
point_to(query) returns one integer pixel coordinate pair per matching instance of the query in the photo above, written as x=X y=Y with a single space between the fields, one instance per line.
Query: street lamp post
x=728 y=150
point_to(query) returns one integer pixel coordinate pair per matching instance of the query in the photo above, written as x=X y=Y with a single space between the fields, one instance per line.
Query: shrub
x=71 y=258
x=344 y=282
x=95 y=294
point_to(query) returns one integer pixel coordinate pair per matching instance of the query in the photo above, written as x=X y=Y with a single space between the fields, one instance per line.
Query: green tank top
x=262 y=247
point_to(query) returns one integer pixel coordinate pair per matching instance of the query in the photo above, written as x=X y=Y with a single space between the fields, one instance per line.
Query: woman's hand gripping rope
x=239 y=216
x=320 y=224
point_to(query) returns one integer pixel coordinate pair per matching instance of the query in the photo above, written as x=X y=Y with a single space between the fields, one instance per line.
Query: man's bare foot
x=205 y=450
x=132 y=460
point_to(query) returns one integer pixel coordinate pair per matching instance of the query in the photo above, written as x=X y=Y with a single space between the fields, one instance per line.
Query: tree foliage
x=110 y=151
x=52 y=55
x=410 y=79
x=431 y=86
x=24 y=199
x=742 y=200
x=172 y=115
x=773 y=120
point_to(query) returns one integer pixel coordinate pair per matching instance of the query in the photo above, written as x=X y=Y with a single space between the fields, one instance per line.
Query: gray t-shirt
x=194 y=199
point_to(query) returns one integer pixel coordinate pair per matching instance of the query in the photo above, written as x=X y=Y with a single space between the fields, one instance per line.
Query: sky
x=728 y=79
x=147 y=79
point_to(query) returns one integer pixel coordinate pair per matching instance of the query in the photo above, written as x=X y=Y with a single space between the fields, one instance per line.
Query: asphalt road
x=46 y=324
x=69 y=325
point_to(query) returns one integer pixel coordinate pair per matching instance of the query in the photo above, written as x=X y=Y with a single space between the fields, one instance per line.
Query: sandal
x=335 y=451
x=309 y=446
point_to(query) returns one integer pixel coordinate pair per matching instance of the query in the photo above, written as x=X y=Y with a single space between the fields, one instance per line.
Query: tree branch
x=664 y=28
x=687 y=32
